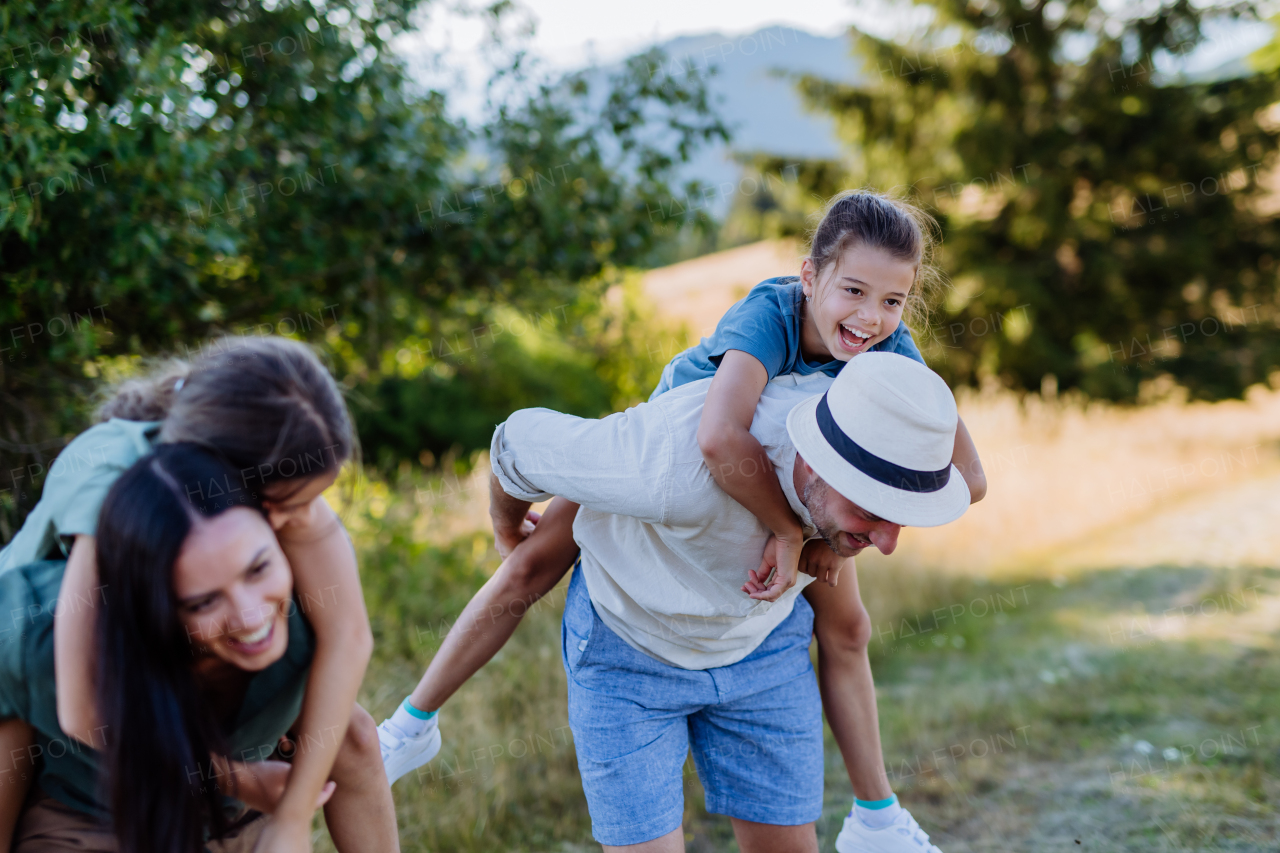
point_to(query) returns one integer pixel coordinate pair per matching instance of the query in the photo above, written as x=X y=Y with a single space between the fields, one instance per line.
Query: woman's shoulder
x=29 y=597
x=32 y=587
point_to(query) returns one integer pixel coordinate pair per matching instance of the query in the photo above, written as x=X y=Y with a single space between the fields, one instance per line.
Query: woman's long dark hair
x=159 y=733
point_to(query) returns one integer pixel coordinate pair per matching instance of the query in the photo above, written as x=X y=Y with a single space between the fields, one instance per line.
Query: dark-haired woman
x=274 y=413
x=204 y=657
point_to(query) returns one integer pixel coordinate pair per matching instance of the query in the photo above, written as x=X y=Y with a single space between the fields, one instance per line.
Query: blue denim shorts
x=755 y=728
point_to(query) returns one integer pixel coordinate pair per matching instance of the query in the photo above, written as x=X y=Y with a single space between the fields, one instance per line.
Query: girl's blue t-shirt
x=766 y=324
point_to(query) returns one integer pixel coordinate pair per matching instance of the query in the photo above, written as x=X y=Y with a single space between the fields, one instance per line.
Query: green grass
x=1053 y=722
x=1027 y=729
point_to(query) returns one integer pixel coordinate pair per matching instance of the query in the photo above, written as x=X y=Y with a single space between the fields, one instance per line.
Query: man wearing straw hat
x=663 y=650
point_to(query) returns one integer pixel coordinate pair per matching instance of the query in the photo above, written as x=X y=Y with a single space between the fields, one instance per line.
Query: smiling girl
x=867 y=265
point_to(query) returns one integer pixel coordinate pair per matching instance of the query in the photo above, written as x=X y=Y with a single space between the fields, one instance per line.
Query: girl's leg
x=411 y=735
x=492 y=616
x=15 y=737
x=843 y=629
x=361 y=815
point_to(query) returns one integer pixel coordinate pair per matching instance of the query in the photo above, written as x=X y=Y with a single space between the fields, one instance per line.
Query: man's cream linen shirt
x=665 y=551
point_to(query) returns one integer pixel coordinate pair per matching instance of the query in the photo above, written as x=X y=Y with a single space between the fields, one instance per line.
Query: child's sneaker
x=904 y=835
x=402 y=753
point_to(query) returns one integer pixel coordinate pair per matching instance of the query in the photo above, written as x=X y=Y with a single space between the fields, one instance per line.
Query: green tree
x=179 y=169
x=1104 y=219
x=444 y=396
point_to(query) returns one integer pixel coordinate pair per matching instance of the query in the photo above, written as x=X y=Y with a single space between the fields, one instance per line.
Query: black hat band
x=880 y=470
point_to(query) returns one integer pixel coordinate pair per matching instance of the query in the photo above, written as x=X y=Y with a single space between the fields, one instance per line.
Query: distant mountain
x=764 y=108
x=753 y=91
x=767 y=114
x=760 y=105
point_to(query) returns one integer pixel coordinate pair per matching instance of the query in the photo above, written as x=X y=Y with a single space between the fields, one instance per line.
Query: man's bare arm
x=512 y=521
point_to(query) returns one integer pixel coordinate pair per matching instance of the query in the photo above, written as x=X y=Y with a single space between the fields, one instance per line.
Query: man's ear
x=803 y=473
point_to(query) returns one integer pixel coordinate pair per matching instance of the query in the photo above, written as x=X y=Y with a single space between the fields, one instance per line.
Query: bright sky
x=615 y=28
x=571 y=34
x=574 y=33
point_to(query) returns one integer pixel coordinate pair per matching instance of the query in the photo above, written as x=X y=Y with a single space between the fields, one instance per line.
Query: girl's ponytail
x=147 y=398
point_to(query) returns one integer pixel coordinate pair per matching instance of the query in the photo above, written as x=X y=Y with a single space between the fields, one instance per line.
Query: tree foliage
x=1105 y=218
x=180 y=169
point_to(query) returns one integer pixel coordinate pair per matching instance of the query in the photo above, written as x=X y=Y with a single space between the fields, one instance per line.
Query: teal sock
x=877 y=814
x=421 y=715
x=411 y=720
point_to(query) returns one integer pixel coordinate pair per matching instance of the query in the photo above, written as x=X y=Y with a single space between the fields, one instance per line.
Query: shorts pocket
x=578 y=629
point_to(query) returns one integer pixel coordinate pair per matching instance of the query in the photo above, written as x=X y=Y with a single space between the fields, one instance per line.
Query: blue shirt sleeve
x=756 y=325
x=902 y=343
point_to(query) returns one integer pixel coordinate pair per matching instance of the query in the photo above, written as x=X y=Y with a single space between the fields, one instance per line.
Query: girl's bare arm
x=965 y=457
x=740 y=465
x=327 y=585
x=74 y=624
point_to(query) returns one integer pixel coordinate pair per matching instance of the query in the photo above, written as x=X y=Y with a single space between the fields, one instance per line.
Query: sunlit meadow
x=1087 y=656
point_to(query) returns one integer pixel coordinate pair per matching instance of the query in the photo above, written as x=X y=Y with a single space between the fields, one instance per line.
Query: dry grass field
x=1086 y=661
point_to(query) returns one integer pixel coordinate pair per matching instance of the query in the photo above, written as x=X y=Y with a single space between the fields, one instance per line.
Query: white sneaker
x=402 y=753
x=904 y=835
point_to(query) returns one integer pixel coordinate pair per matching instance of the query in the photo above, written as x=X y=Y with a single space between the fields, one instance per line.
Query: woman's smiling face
x=234 y=588
x=857 y=302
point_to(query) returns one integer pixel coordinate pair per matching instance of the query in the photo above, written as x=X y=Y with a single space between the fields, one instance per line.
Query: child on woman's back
x=868 y=262
x=269 y=407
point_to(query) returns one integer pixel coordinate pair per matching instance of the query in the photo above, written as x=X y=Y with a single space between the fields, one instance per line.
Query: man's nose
x=885 y=536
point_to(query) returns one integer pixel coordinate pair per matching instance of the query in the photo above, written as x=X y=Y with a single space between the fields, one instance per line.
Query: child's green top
x=77 y=484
